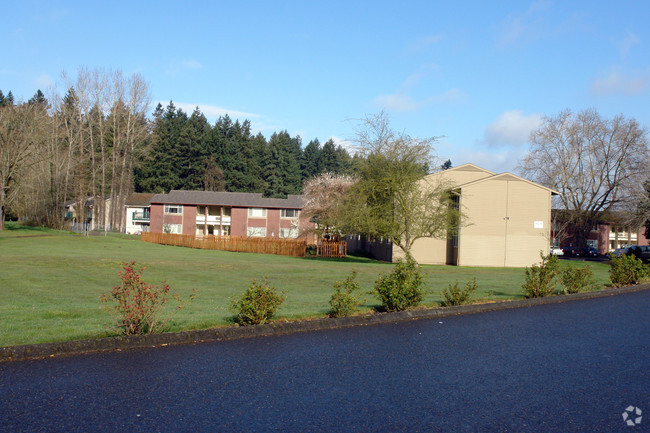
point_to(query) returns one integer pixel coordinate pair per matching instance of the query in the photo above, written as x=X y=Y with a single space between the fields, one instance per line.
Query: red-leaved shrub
x=139 y=308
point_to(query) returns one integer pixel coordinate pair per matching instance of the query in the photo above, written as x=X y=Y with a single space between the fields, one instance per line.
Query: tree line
x=187 y=152
x=96 y=142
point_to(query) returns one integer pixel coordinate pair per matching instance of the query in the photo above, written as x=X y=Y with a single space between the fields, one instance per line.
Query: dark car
x=588 y=252
x=570 y=251
x=640 y=252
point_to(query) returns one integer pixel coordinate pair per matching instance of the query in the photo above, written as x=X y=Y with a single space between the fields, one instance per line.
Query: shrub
x=257 y=305
x=457 y=296
x=402 y=288
x=140 y=307
x=626 y=270
x=344 y=301
x=577 y=279
x=540 y=279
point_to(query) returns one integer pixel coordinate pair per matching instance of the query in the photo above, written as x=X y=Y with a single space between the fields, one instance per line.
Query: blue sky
x=481 y=74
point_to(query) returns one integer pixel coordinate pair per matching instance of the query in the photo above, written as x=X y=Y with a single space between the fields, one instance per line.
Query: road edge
x=78 y=347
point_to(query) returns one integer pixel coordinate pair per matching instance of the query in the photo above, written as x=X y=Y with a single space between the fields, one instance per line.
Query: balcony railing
x=141 y=216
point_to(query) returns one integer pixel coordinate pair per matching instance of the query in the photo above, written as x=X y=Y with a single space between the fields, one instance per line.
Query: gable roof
x=139 y=199
x=469 y=167
x=233 y=199
x=507 y=177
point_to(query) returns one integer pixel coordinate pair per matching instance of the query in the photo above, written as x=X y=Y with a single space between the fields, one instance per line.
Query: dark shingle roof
x=221 y=198
x=139 y=199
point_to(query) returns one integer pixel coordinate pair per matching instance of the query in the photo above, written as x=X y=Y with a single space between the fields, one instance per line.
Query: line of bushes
x=541 y=279
x=140 y=308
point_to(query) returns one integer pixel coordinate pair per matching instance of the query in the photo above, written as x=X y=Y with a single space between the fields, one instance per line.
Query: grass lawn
x=51 y=281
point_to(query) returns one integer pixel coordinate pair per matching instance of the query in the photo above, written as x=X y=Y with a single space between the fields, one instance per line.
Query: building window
x=214 y=211
x=289 y=213
x=256 y=232
x=289 y=233
x=200 y=210
x=174 y=208
x=173 y=228
x=257 y=212
x=226 y=211
x=592 y=243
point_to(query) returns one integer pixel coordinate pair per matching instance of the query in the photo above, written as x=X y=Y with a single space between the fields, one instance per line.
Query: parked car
x=557 y=251
x=618 y=252
x=571 y=251
x=640 y=252
x=588 y=252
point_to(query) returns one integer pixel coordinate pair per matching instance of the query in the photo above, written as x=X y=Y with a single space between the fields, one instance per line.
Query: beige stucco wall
x=426 y=251
x=506 y=220
x=509 y=223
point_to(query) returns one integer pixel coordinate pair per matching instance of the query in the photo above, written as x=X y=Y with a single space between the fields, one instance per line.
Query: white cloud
x=396 y=101
x=348 y=145
x=425 y=42
x=44 y=81
x=624 y=84
x=627 y=43
x=512 y=128
x=213 y=112
x=183 y=65
x=401 y=100
x=191 y=64
x=498 y=162
x=524 y=26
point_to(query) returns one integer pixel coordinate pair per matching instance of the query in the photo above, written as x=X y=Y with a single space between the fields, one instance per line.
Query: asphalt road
x=569 y=367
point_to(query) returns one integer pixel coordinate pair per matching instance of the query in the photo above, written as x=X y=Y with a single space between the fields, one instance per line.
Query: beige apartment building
x=506 y=221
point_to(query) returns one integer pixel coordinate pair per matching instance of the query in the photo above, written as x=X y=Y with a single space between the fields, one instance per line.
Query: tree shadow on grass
x=346 y=259
x=14 y=226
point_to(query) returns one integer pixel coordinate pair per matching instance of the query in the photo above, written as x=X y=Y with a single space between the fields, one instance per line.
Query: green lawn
x=51 y=281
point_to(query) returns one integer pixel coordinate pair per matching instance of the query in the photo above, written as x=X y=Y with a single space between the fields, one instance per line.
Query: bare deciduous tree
x=597 y=164
x=21 y=143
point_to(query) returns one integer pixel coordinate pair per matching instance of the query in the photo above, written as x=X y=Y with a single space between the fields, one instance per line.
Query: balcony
x=141 y=216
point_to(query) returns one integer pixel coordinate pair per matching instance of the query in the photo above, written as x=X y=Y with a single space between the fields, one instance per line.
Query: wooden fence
x=332 y=249
x=283 y=247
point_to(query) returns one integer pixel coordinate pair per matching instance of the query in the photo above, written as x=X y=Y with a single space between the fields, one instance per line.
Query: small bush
x=540 y=279
x=626 y=270
x=454 y=295
x=402 y=288
x=140 y=307
x=577 y=279
x=257 y=305
x=344 y=301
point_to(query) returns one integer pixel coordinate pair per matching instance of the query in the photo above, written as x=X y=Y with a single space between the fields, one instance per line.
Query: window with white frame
x=289 y=213
x=289 y=233
x=256 y=232
x=256 y=212
x=173 y=228
x=173 y=208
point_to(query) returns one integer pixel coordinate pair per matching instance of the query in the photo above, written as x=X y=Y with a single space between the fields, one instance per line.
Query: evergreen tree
x=329 y=157
x=311 y=160
x=9 y=99
x=38 y=98
x=281 y=167
x=3 y=100
x=446 y=165
x=213 y=177
x=191 y=150
x=343 y=160
x=161 y=172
